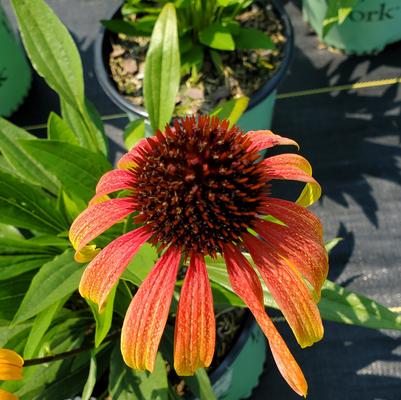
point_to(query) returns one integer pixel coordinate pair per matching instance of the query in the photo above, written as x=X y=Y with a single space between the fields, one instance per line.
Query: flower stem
x=62 y=356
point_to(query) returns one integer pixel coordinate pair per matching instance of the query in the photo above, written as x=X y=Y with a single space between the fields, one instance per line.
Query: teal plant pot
x=368 y=29
x=15 y=72
x=261 y=106
x=239 y=373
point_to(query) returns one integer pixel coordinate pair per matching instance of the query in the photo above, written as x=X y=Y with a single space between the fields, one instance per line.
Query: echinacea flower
x=10 y=370
x=202 y=189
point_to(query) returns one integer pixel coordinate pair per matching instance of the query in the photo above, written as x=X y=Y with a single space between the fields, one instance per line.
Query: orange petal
x=147 y=314
x=112 y=181
x=261 y=140
x=294 y=215
x=4 y=395
x=305 y=254
x=297 y=168
x=288 y=290
x=98 y=218
x=10 y=365
x=195 y=326
x=105 y=269
x=246 y=284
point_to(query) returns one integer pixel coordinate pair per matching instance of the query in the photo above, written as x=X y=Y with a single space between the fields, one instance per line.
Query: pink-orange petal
x=147 y=314
x=288 y=166
x=112 y=181
x=305 y=254
x=294 y=215
x=261 y=140
x=98 y=218
x=246 y=284
x=103 y=272
x=4 y=395
x=288 y=290
x=195 y=326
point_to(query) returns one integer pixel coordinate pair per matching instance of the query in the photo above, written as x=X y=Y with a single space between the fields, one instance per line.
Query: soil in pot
x=244 y=72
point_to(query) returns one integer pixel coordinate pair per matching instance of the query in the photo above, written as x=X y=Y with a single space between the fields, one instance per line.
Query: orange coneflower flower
x=10 y=370
x=201 y=188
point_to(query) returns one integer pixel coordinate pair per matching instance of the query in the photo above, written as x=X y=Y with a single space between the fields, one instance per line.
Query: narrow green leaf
x=9 y=232
x=85 y=125
x=127 y=384
x=15 y=265
x=39 y=328
x=134 y=132
x=217 y=36
x=125 y=27
x=11 y=294
x=91 y=381
x=232 y=109
x=21 y=162
x=27 y=206
x=103 y=319
x=250 y=38
x=58 y=129
x=55 y=280
x=332 y=243
x=77 y=169
x=162 y=69
x=200 y=385
x=51 y=49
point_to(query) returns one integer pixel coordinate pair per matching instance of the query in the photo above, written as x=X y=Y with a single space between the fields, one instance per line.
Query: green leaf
x=134 y=132
x=39 y=328
x=9 y=232
x=337 y=304
x=85 y=125
x=250 y=38
x=217 y=36
x=21 y=162
x=55 y=280
x=162 y=69
x=140 y=266
x=91 y=381
x=51 y=49
x=58 y=129
x=332 y=243
x=336 y=13
x=27 y=206
x=200 y=385
x=103 y=319
x=126 y=27
x=232 y=109
x=11 y=293
x=127 y=384
x=347 y=307
x=77 y=169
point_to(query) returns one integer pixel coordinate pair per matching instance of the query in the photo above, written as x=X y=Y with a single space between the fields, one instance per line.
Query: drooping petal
x=305 y=254
x=195 y=326
x=294 y=215
x=112 y=181
x=297 y=168
x=87 y=253
x=147 y=314
x=288 y=290
x=261 y=140
x=98 y=218
x=10 y=365
x=105 y=269
x=4 y=395
x=246 y=284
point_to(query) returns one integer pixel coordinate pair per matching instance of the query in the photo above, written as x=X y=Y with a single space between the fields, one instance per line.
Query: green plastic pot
x=15 y=73
x=239 y=373
x=368 y=29
x=260 y=109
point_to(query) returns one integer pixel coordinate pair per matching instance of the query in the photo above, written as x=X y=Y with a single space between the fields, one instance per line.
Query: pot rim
x=264 y=91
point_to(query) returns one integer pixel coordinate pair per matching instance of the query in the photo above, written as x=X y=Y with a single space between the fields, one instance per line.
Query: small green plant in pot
x=224 y=49
x=107 y=272
x=355 y=26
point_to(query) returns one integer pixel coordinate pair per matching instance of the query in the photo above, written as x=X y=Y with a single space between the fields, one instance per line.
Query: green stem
x=62 y=356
